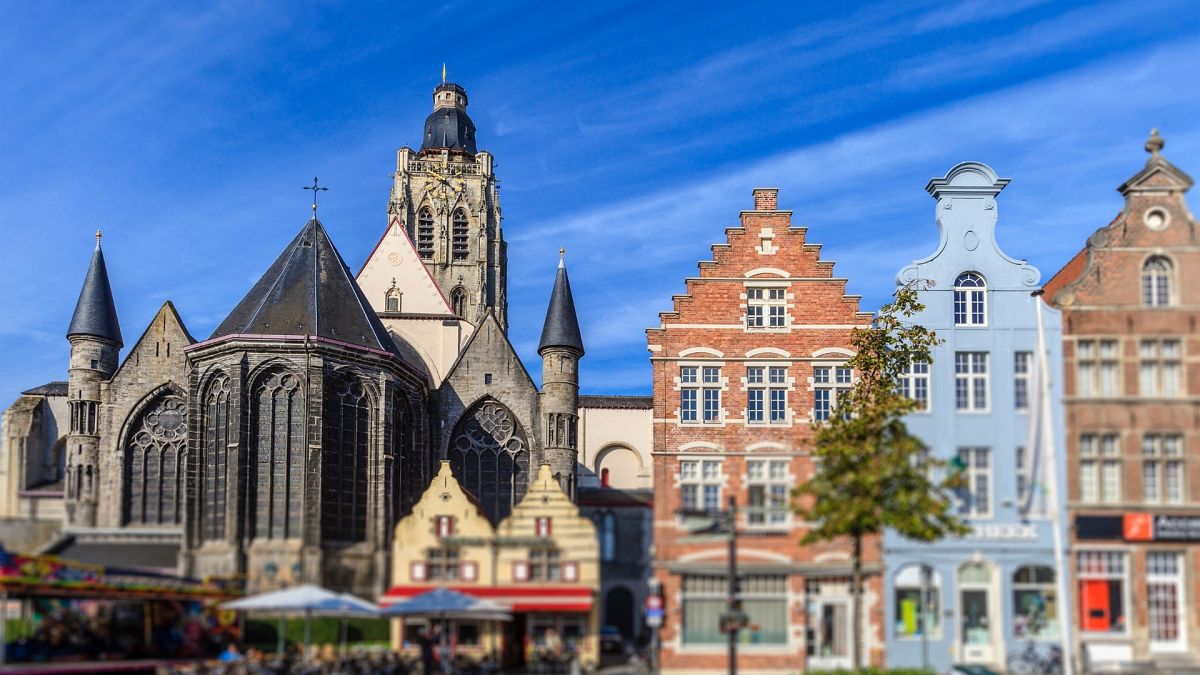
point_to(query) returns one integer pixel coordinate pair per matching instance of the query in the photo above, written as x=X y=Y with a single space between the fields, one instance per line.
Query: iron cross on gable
x=315 y=189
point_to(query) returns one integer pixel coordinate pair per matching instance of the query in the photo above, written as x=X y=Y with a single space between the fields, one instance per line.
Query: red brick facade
x=1131 y=334
x=716 y=447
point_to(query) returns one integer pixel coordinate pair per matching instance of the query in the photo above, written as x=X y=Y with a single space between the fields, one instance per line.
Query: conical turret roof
x=562 y=326
x=95 y=312
x=308 y=290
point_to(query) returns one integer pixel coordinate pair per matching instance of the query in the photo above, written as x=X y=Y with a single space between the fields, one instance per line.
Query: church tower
x=445 y=196
x=561 y=347
x=95 y=337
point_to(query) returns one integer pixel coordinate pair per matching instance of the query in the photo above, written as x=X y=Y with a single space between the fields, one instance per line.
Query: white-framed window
x=766 y=394
x=768 y=487
x=700 y=484
x=1162 y=468
x=971 y=381
x=828 y=383
x=1099 y=468
x=1022 y=362
x=764 y=599
x=975 y=496
x=766 y=308
x=914 y=384
x=1156 y=282
x=1098 y=367
x=1161 y=367
x=1103 y=578
x=700 y=394
x=1035 y=603
x=970 y=300
x=915 y=613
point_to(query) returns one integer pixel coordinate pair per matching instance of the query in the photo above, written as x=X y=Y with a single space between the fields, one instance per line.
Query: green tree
x=870 y=472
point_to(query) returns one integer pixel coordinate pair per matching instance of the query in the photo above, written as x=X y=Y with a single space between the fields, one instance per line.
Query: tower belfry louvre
x=445 y=197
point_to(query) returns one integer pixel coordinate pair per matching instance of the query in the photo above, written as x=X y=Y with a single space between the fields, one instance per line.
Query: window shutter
x=521 y=570
x=542 y=527
x=417 y=570
x=570 y=571
x=469 y=571
x=445 y=526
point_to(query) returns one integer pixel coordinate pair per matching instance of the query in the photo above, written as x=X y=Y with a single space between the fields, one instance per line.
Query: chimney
x=766 y=199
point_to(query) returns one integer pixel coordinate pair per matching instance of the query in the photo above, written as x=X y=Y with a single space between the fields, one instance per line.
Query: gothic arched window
x=970 y=300
x=425 y=232
x=344 y=460
x=214 y=463
x=1156 y=282
x=278 y=489
x=458 y=301
x=153 y=481
x=608 y=536
x=459 y=235
x=392 y=300
x=490 y=457
x=402 y=473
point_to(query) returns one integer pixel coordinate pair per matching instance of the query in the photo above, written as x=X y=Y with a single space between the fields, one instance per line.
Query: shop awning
x=520 y=598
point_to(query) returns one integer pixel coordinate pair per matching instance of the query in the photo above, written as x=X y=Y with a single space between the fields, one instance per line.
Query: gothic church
x=287 y=444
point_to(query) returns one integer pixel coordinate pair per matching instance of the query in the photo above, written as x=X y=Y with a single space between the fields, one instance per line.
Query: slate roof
x=95 y=312
x=618 y=402
x=308 y=290
x=562 y=326
x=48 y=389
x=123 y=554
x=449 y=127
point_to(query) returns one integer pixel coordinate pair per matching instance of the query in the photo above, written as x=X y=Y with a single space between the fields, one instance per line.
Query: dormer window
x=970 y=300
x=425 y=233
x=1156 y=282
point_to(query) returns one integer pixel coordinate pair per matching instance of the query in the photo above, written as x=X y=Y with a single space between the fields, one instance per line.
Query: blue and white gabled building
x=993 y=591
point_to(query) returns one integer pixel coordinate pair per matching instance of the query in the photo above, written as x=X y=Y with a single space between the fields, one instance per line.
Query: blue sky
x=631 y=133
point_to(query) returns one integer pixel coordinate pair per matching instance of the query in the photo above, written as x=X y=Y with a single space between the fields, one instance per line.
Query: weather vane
x=315 y=190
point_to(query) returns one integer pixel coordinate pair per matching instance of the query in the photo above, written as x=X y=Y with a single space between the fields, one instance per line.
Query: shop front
x=972 y=601
x=1137 y=577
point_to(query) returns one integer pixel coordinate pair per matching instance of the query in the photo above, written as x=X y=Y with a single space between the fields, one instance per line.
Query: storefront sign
x=1005 y=532
x=1138 y=527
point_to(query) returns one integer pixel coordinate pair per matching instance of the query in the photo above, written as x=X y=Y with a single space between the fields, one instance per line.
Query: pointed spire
x=95 y=312
x=562 y=326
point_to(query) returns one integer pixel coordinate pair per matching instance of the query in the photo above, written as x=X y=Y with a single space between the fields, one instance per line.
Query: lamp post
x=733 y=619
x=926 y=572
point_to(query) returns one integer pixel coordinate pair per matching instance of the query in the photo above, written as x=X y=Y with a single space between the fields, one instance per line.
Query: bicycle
x=1030 y=660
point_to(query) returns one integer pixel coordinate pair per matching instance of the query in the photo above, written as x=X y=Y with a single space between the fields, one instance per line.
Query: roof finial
x=562 y=253
x=443 y=72
x=1155 y=143
x=315 y=190
x=98 y=235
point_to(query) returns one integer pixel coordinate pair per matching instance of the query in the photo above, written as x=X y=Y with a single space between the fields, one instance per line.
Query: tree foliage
x=871 y=473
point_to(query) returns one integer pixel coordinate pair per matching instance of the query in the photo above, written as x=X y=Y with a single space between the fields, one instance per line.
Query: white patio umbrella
x=444 y=603
x=308 y=599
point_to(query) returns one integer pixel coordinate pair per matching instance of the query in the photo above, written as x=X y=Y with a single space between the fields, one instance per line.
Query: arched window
x=608 y=537
x=1035 y=604
x=458 y=301
x=404 y=474
x=344 y=460
x=425 y=233
x=918 y=592
x=214 y=467
x=970 y=300
x=392 y=300
x=1156 y=282
x=490 y=457
x=459 y=235
x=153 y=481
x=278 y=427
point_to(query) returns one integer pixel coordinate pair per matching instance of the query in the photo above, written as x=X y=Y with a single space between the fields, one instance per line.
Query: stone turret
x=95 y=336
x=561 y=347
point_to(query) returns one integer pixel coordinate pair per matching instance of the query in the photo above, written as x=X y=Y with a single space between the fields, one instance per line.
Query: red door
x=1097 y=614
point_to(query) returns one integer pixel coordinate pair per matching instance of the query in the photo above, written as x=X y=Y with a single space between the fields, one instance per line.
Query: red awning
x=520 y=598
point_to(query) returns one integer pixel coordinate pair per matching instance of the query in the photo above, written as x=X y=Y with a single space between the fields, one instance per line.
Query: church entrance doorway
x=618 y=611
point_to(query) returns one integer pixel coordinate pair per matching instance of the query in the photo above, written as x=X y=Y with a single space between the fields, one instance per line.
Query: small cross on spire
x=562 y=256
x=98 y=235
x=315 y=190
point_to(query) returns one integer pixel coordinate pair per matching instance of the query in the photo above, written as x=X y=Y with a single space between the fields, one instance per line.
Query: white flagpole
x=1053 y=501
